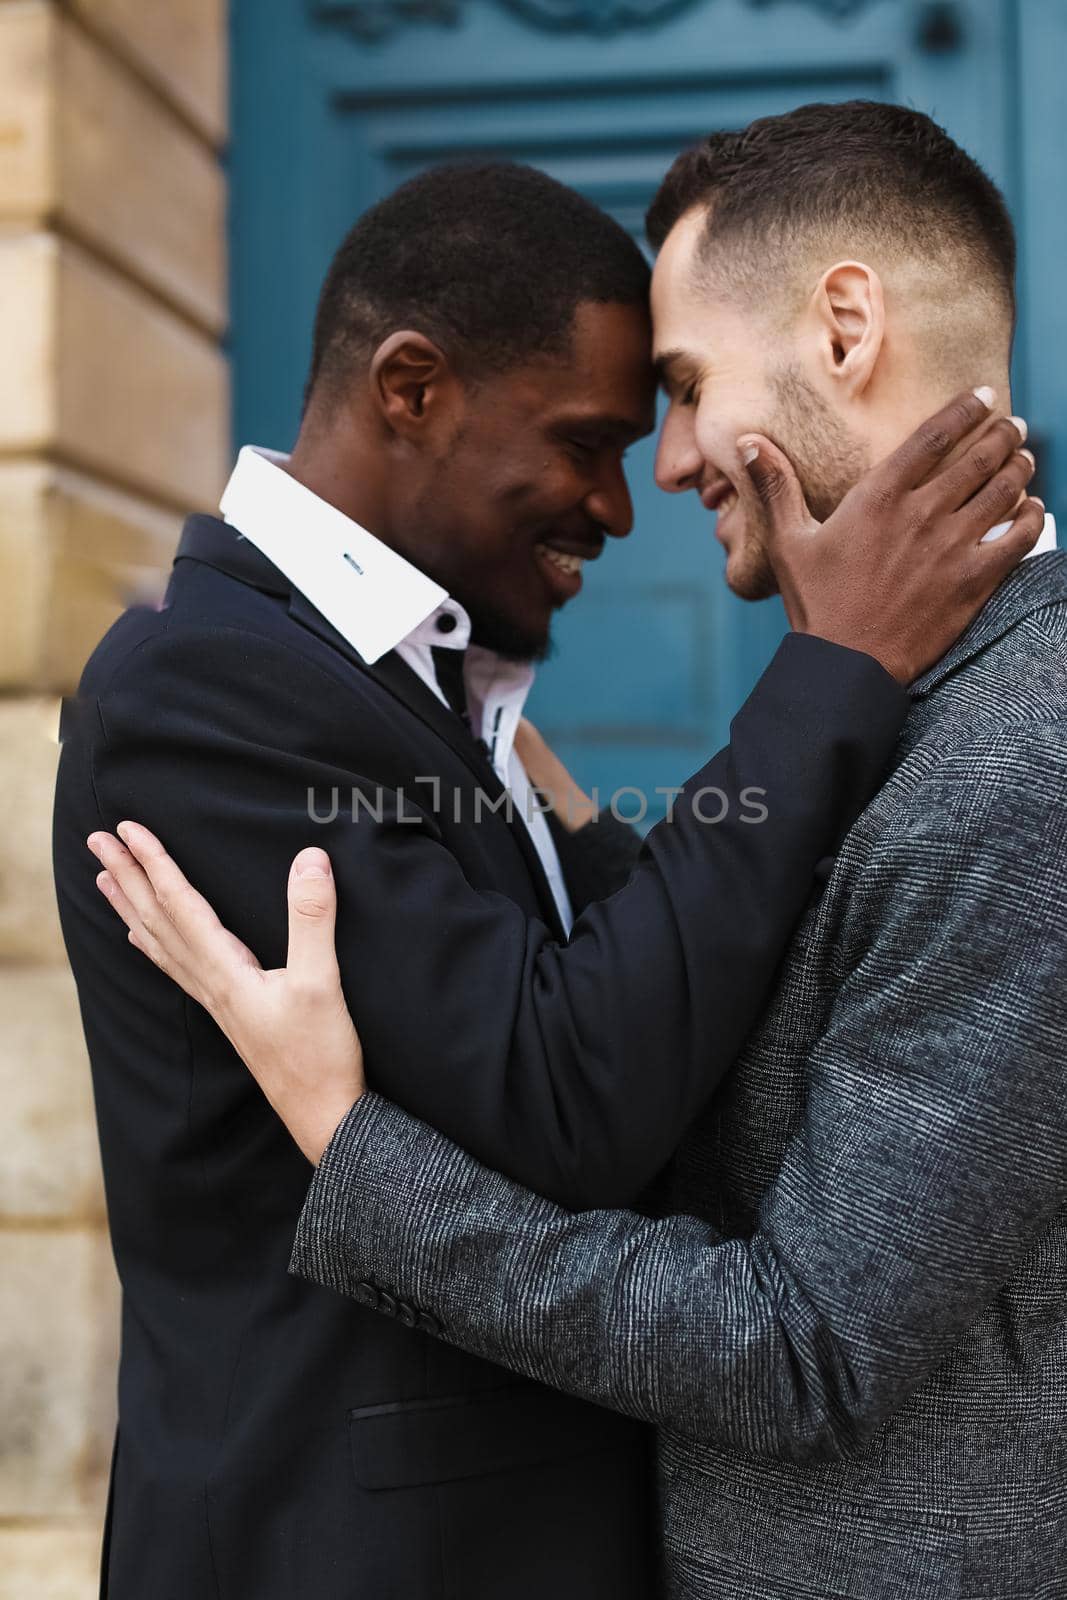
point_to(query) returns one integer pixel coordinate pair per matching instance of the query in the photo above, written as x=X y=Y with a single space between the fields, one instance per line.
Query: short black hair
x=861 y=166
x=490 y=261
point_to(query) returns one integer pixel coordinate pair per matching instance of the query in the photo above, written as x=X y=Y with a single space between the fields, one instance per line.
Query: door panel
x=656 y=655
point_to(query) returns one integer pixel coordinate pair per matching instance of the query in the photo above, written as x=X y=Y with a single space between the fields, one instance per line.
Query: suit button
x=366 y=1295
x=406 y=1314
x=386 y=1305
x=428 y=1324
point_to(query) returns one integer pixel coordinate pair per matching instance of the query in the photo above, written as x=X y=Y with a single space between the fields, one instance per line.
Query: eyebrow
x=628 y=428
x=672 y=367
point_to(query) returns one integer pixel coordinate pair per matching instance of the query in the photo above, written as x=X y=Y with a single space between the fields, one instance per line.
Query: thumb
x=312 y=919
x=776 y=484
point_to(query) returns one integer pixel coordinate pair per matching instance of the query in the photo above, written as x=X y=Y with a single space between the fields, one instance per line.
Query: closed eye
x=585 y=449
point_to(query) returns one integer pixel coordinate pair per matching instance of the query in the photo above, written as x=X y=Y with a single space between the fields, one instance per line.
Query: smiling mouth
x=571 y=565
x=720 y=496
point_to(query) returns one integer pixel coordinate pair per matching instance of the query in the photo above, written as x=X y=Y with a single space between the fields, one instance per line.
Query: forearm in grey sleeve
x=931 y=1158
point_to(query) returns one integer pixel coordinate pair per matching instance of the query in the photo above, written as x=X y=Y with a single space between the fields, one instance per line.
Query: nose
x=679 y=463
x=609 y=504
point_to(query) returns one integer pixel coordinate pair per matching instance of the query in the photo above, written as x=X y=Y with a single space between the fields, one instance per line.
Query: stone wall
x=113 y=422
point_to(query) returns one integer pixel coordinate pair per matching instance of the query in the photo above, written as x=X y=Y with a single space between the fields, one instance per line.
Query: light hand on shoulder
x=899 y=570
x=291 y=1027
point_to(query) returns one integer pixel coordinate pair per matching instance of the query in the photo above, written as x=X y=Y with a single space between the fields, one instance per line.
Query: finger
x=182 y=905
x=118 y=901
x=312 y=957
x=996 y=501
x=996 y=560
x=131 y=878
x=776 y=483
x=997 y=557
x=956 y=484
x=925 y=449
x=184 y=936
x=138 y=934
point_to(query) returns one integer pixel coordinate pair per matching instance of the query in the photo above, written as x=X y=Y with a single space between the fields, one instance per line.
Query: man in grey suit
x=845 y=1307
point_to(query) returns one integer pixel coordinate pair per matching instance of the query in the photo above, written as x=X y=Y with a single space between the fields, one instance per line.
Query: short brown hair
x=825 y=171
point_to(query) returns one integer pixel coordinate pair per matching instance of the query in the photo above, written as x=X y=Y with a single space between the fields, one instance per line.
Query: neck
x=904 y=410
x=348 y=475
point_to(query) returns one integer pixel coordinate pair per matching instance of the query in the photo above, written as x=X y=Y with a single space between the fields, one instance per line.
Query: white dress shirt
x=379 y=602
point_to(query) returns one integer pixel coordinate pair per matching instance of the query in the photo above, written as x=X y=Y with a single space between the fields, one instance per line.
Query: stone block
x=73 y=554
x=27 y=142
x=87 y=149
x=58 y=1355
x=104 y=378
x=50 y=1561
x=29 y=929
x=50 y=1161
x=135 y=183
x=179 y=47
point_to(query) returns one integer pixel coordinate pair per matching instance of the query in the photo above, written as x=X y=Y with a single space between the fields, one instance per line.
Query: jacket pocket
x=437 y=1440
x=761 y=1546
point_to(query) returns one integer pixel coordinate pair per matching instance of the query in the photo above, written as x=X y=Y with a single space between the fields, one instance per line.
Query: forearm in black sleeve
x=597 y=859
x=574 y=1069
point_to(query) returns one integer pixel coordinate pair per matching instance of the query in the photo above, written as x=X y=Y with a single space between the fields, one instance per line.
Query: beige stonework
x=74 y=553
x=51 y=1166
x=58 y=1345
x=102 y=376
x=29 y=929
x=52 y=1561
x=73 y=118
x=113 y=422
x=27 y=147
x=179 y=45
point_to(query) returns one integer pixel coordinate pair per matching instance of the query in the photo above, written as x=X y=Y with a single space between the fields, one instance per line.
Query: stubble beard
x=828 y=460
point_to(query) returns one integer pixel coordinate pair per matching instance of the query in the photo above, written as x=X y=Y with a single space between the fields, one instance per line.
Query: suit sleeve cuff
x=855 y=674
x=322 y=1249
x=850 y=708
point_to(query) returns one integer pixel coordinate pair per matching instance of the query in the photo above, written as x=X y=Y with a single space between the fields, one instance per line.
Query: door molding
x=376 y=19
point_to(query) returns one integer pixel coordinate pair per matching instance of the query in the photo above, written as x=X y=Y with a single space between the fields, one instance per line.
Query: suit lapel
x=396 y=676
x=1039 y=582
x=218 y=545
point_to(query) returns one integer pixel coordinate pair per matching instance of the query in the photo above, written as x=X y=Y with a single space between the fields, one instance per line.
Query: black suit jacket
x=275 y=1441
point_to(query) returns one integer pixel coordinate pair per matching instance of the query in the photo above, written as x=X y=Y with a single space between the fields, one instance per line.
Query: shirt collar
x=370 y=594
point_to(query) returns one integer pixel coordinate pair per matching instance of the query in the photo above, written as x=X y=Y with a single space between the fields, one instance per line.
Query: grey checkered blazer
x=850 y=1320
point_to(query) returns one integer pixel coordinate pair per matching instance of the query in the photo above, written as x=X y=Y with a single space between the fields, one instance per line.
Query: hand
x=547 y=773
x=291 y=1028
x=899 y=570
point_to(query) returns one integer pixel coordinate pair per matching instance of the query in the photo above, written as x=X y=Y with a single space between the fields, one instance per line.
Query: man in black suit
x=308 y=681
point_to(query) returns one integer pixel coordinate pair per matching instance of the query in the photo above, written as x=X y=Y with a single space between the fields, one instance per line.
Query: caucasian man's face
x=729 y=369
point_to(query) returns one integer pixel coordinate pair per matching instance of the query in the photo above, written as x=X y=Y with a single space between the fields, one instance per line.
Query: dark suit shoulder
x=215 y=643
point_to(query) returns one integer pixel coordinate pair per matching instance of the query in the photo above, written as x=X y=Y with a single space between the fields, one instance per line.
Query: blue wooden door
x=337 y=101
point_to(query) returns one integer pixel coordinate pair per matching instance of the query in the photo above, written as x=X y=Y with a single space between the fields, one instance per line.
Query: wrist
x=577 y=810
x=317 y=1136
x=861 y=642
x=567 y=801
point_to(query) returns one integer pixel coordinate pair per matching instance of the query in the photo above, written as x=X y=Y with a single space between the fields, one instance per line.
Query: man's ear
x=848 y=309
x=412 y=383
